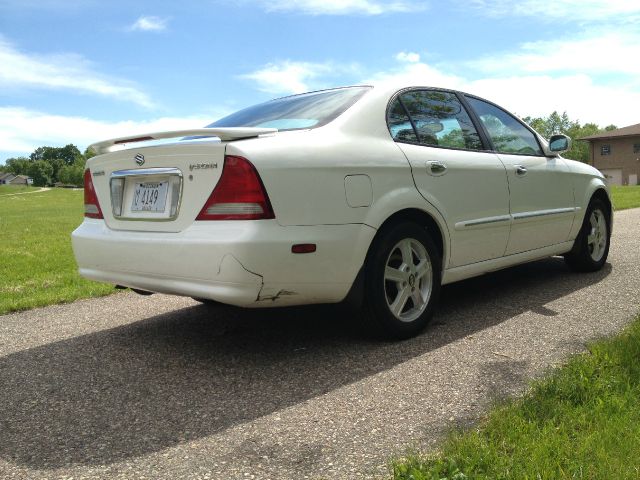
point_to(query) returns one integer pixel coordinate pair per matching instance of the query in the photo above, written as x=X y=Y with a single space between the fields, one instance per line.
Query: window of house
x=636 y=148
x=605 y=149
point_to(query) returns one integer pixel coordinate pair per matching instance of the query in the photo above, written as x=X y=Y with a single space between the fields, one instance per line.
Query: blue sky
x=79 y=71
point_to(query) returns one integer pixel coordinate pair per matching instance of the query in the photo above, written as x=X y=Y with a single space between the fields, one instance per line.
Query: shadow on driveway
x=187 y=374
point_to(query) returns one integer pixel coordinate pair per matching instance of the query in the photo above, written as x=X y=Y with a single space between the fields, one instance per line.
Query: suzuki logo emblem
x=139 y=158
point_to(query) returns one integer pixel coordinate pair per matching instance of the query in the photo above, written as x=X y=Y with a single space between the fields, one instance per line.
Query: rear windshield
x=307 y=110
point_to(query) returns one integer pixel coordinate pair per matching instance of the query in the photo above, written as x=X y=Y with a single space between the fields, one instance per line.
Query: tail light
x=91 y=205
x=239 y=194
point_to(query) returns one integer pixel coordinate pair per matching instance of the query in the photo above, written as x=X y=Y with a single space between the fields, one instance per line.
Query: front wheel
x=402 y=282
x=591 y=248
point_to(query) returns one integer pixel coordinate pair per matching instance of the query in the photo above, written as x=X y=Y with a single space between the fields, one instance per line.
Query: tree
x=67 y=154
x=17 y=166
x=580 y=149
x=556 y=123
x=553 y=124
x=72 y=174
x=41 y=172
x=538 y=124
x=57 y=157
x=88 y=153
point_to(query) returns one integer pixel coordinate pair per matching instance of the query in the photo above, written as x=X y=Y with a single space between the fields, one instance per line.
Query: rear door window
x=399 y=123
x=434 y=118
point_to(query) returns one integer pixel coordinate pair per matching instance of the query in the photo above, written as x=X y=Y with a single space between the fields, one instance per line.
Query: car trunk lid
x=159 y=188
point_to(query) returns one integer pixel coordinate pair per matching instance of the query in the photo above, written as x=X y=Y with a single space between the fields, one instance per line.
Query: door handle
x=436 y=168
x=521 y=170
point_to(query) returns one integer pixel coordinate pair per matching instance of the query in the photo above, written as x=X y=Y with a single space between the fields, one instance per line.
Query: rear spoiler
x=224 y=134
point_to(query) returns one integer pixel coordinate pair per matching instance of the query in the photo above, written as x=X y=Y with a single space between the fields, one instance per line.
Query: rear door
x=453 y=172
x=541 y=188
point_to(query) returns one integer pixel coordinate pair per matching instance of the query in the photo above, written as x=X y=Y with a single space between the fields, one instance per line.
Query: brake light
x=91 y=205
x=239 y=194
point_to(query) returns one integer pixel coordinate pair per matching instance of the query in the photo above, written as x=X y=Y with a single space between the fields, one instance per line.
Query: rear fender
x=407 y=198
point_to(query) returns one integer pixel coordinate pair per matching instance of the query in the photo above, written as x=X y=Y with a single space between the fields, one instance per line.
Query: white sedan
x=374 y=195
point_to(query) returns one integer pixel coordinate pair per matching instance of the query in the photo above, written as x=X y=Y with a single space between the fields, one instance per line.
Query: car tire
x=402 y=282
x=591 y=247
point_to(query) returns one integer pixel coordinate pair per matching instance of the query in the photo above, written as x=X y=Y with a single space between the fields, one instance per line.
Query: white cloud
x=62 y=72
x=150 y=24
x=578 y=95
x=23 y=130
x=597 y=54
x=568 y=10
x=590 y=76
x=288 y=77
x=526 y=93
x=342 y=7
x=535 y=80
x=415 y=72
x=409 y=57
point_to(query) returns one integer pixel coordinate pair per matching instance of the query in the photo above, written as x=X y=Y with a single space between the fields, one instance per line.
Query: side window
x=399 y=123
x=441 y=120
x=507 y=133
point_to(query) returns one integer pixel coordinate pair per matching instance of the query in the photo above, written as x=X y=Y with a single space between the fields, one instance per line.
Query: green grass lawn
x=625 y=197
x=36 y=262
x=581 y=422
x=10 y=189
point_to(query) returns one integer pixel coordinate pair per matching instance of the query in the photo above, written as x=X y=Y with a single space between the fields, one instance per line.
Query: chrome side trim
x=543 y=213
x=514 y=217
x=482 y=221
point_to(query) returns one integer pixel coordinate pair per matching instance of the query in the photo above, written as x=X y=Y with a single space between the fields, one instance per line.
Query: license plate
x=149 y=197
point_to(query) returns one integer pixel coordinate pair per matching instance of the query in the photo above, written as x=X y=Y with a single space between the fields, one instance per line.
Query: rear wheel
x=402 y=281
x=591 y=248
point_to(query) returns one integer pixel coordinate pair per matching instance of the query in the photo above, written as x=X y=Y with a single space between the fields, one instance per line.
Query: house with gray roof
x=11 y=179
x=6 y=177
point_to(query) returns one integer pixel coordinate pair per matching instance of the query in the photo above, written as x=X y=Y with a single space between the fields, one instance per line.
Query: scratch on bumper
x=232 y=269
x=273 y=298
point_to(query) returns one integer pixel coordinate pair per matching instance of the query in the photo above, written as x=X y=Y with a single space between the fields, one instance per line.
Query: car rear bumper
x=243 y=263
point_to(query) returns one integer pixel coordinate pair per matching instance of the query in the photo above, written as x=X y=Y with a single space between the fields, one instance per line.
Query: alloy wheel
x=408 y=280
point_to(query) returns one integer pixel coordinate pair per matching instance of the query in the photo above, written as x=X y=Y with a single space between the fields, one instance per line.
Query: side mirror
x=559 y=143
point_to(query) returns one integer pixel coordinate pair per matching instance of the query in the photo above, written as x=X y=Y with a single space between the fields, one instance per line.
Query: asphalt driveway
x=163 y=387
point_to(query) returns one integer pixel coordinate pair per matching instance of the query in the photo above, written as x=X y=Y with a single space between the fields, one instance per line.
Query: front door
x=542 y=204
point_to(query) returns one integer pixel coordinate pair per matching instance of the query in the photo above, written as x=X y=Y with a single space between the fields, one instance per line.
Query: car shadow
x=146 y=386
